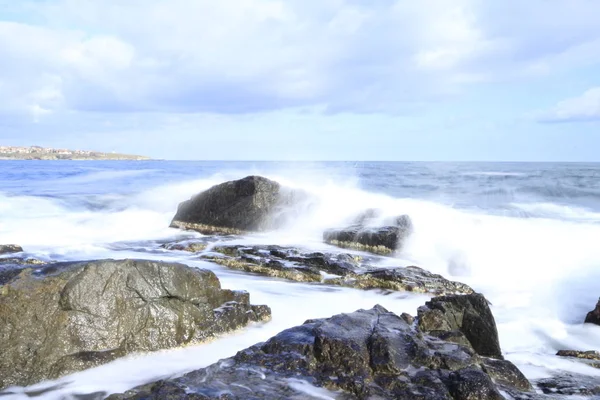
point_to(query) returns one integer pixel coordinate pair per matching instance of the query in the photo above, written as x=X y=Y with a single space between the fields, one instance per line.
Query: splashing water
x=522 y=234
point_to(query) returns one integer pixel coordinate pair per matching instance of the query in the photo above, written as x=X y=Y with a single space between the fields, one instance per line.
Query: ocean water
x=524 y=234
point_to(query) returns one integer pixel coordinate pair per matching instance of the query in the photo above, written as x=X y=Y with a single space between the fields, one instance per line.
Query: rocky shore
x=59 y=318
x=46 y=153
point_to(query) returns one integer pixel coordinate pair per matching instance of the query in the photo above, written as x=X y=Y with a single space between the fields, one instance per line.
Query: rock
x=196 y=245
x=587 y=355
x=362 y=236
x=10 y=248
x=472 y=384
x=66 y=317
x=570 y=384
x=457 y=318
x=339 y=269
x=253 y=203
x=367 y=354
x=505 y=373
x=415 y=279
x=593 y=317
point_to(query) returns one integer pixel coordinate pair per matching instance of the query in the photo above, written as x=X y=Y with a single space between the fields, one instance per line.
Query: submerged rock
x=375 y=239
x=195 y=245
x=329 y=268
x=593 y=317
x=253 y=203
x=367 y=354
x=10 y=248
x=66 y=317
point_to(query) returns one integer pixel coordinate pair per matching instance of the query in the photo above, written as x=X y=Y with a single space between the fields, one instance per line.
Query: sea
x=526 y=235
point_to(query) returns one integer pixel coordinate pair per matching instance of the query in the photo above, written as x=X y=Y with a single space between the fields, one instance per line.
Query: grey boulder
x=67 y=317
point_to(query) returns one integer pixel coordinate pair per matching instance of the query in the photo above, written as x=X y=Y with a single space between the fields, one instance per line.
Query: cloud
x=576 y=109
x=251 y=56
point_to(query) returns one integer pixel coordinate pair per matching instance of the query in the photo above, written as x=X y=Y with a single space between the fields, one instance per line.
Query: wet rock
x=192 y=247
x=375 y=239
x=590 y=357
x=570 y=384
x=587 y=355
x=195 y=245
x=593 y=317
x=253 y=203
x=505 y=373
x=472 y=384
x=66 y=317
x=457 y=318
x=415 y=279
x=339 y=269
x=367 y=354
x=10 y=248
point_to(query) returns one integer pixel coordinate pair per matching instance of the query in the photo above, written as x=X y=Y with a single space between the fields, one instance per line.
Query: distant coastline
x=46 y=153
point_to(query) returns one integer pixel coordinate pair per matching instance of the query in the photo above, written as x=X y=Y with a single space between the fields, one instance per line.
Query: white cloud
x=245 y=56
x=582 y=108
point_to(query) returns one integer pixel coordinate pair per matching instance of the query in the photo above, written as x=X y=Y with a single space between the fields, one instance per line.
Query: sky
x=430 y=80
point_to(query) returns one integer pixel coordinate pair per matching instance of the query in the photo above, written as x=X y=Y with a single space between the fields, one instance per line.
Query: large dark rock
x=332 y=269
x=465 y=319
x=375 y=239
x=593 y=317
x=10 y=248
x=253 y=203
x=67 y=317
x=368 y=354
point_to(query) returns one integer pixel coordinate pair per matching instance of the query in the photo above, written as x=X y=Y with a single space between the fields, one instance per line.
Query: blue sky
x=508 y=80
